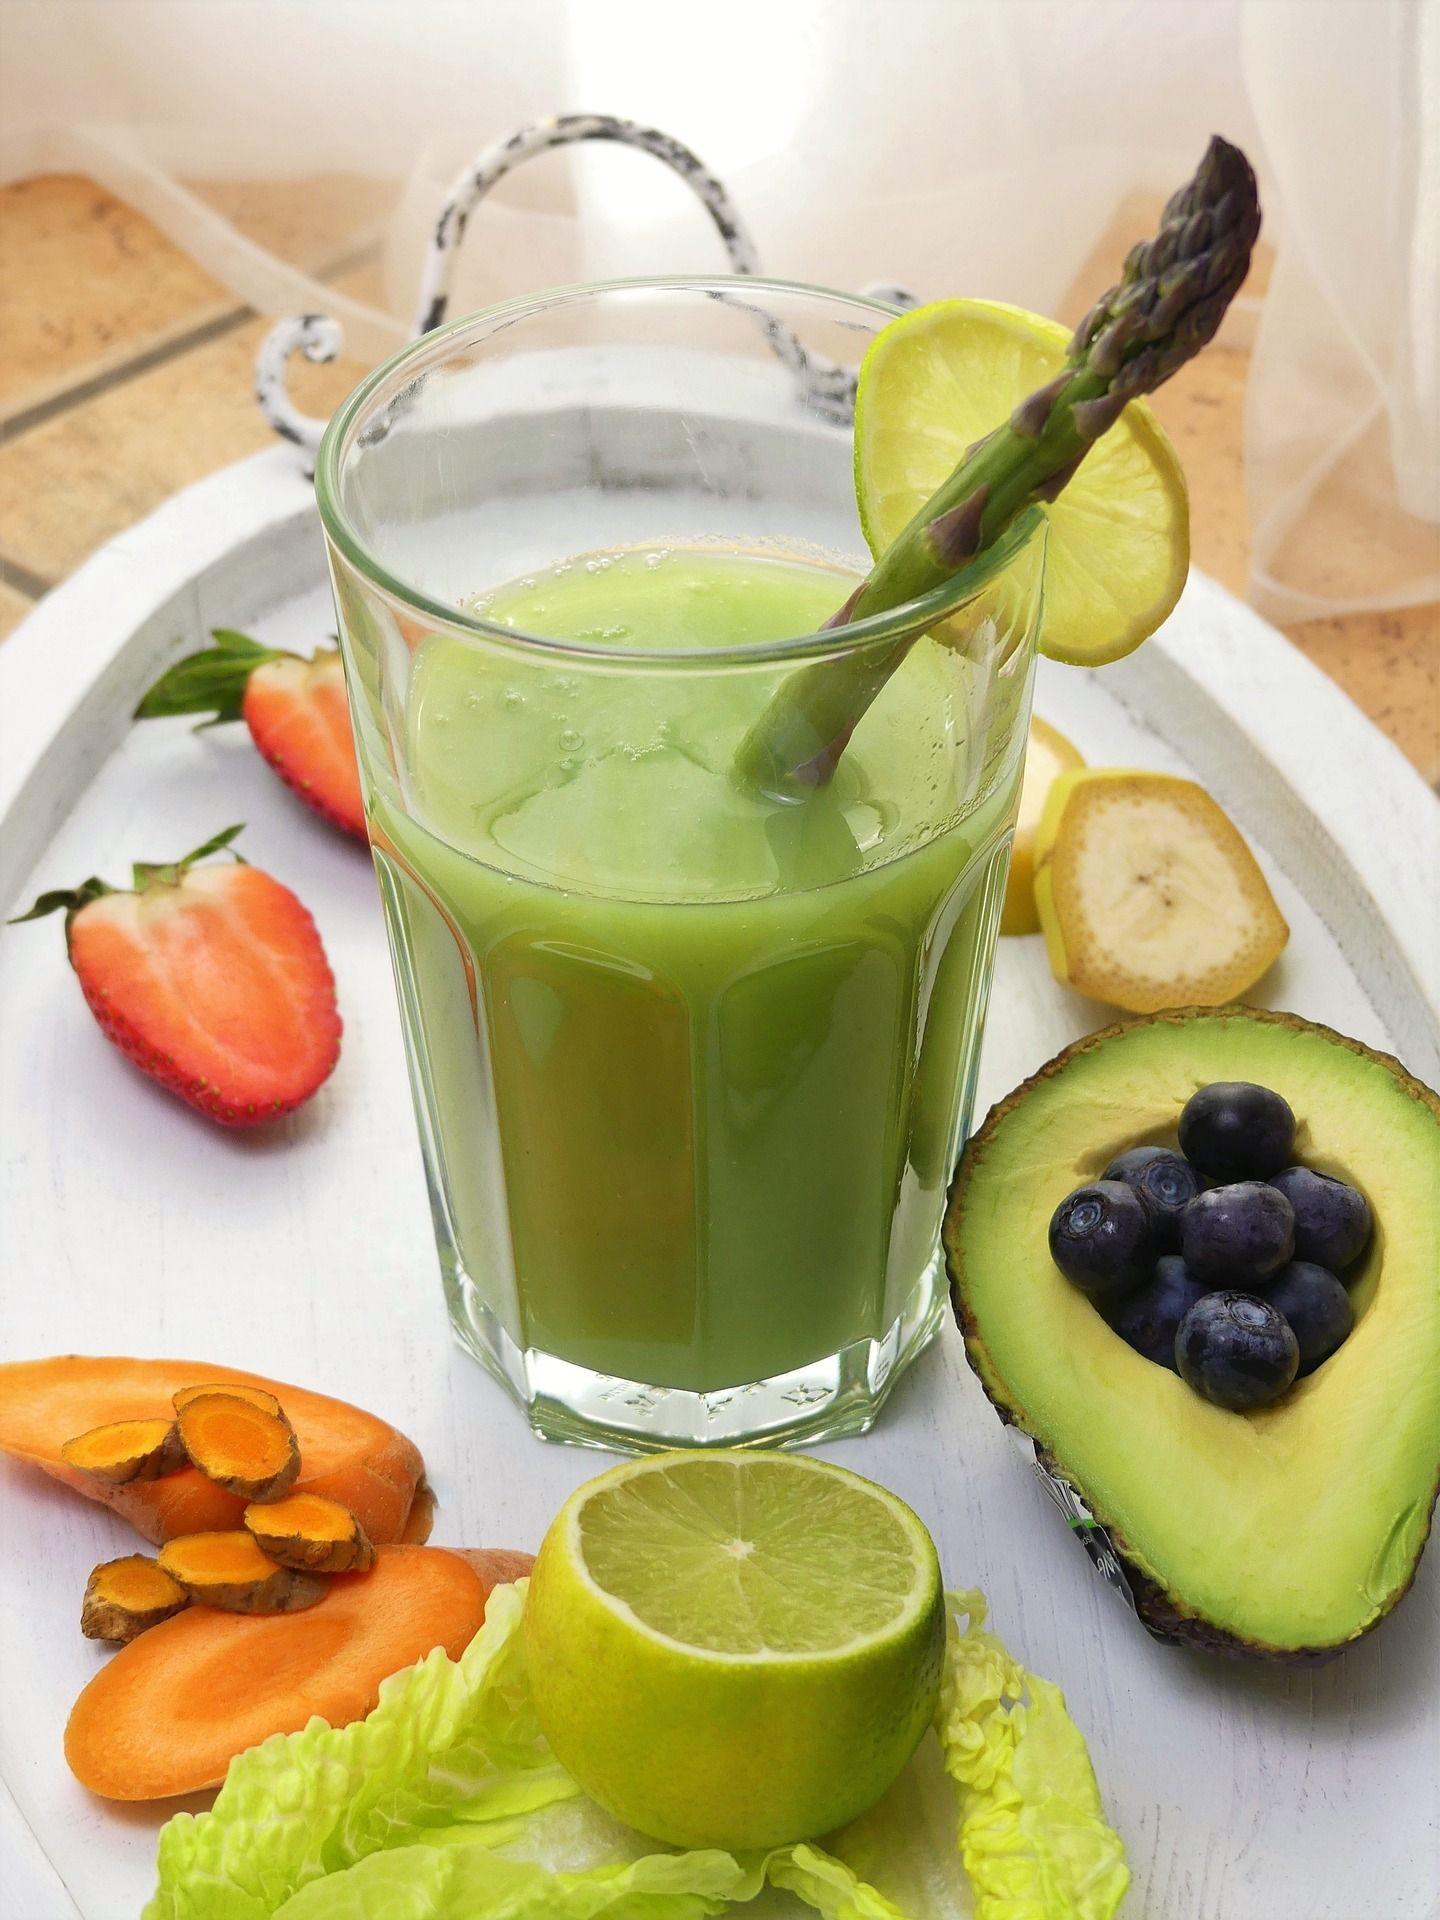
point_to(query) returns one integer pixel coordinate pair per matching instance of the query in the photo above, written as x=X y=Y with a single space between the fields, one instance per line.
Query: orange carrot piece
x=170 y=1711
x=346 y=1454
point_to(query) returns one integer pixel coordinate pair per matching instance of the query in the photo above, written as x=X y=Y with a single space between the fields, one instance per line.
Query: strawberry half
x=295 y=710
x=212 y=980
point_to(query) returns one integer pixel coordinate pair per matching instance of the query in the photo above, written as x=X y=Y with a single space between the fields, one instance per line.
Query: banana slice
x=1048 y=755
x=1147 y=895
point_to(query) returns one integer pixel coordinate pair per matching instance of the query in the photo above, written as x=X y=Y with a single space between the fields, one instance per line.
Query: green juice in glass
x=692 y=1062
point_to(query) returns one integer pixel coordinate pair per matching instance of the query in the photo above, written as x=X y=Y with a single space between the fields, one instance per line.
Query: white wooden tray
x=130 y=1226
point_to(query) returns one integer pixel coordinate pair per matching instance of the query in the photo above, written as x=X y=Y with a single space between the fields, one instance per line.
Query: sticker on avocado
x=1081 y=1522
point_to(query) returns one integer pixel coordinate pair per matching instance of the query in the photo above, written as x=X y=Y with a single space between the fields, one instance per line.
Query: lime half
x=735 y=1649
x=936 y=380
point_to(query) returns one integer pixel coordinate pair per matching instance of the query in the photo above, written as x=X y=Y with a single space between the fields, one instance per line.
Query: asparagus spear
x=1172 y=295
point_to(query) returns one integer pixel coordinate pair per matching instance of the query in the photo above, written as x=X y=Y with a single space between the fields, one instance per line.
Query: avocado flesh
x=1289 y=1530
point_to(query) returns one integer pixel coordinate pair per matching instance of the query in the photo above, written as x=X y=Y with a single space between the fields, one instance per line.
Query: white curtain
x=959 y=146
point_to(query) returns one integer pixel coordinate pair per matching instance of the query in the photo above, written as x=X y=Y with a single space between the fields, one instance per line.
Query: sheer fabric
x=952 y=145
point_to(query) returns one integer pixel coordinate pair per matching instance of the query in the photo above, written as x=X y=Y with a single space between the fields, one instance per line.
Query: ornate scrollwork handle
x=319 y=338
x=545 y=136
x=826 y=385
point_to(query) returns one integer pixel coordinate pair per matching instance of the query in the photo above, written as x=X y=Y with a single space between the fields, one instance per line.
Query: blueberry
x=1236 y=1350
x=1317 y=1307
x=1165 y=1183
x=1236 y=1131
x=1149 y=1317
x=1101 y=1238
x=1332 y=1220
x=1237 y=1236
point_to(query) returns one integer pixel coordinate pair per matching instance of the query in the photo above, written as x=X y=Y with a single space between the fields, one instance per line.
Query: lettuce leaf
x=828 y=1885
x=458 y=1882
x=1033 y=1835
x=449 y=1741
x=446 y=1804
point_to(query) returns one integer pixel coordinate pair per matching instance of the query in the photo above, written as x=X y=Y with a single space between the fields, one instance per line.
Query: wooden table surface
x=126 y=374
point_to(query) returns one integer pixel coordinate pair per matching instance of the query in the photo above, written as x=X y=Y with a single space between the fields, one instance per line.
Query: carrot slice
x=346 y=1454
x=170 y=1711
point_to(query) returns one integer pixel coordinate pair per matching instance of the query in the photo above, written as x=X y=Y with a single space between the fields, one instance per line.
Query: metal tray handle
x=824 y=384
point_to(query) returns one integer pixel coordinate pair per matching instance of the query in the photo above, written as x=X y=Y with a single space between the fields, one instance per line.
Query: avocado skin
x=1161 y=1613
x=1164 y=1614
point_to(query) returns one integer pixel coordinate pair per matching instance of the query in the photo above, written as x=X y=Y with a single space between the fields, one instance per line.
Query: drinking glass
x=691 y=1061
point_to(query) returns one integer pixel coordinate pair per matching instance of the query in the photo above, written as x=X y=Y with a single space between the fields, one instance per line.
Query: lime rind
x=752 y=1748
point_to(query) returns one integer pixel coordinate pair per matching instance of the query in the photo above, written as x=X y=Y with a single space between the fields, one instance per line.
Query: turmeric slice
x=228 y=1571
x=308 y=1531
x=242 y=1447
x=257 y=1396
x=126 y=1450
x=420 y=1521
x=126 y=1597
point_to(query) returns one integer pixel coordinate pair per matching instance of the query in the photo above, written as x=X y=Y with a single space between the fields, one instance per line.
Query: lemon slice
x=936 y=380
x=1048 y=755
x=1147 y=894
x=735 y=1649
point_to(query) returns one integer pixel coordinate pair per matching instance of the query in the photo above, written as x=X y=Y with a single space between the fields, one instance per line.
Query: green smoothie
x=692 y=1062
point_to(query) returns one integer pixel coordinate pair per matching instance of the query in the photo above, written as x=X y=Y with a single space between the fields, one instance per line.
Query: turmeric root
x=228 y=1571
x=308 y=1531
x=345 y=1453
x=420 y=1520
x=242 y=1447
x=256 y=1395
x=129 y=1596
x=126 y=1450
x=169 y=1713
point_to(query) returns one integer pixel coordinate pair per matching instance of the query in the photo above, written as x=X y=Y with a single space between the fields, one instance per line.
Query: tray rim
x=70 y=674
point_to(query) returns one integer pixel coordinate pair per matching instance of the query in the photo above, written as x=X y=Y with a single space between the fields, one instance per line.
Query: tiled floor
x=126 y=374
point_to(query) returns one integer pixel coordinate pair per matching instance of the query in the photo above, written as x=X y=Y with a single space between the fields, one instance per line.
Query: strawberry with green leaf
x=295 y=710
x=211 y=979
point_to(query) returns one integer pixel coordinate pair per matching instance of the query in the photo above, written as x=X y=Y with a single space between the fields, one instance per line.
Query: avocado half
x=1283 y=1533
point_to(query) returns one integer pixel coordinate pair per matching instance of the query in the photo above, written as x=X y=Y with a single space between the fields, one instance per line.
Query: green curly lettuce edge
x=446 y=1804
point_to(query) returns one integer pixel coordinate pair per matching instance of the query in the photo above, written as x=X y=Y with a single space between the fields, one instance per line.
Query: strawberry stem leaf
x=169 y=873
x=230 y=640
x=217 y=843
x=212 y=682
x=68 y=899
